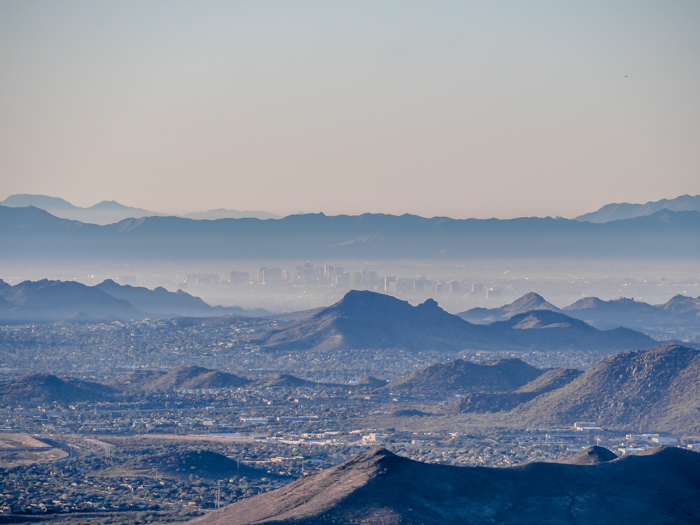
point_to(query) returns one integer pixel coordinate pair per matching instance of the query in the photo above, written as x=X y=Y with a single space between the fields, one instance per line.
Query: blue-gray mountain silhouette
x=364 y=319
x=31 y=233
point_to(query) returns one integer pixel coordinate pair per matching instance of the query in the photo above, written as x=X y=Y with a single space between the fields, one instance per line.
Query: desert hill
x=283 y=380
x=202 y=463
x=488 y=401
x=46 y=388
x=363 y=319
x=182 y=378
x=591 y=456
x=654 y=389
x=378 y=487
x=504 y=375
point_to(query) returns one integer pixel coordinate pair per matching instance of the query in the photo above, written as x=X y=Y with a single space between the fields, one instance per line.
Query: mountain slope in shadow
x=378 y=487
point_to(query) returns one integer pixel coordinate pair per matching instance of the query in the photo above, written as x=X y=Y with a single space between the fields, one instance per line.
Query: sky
x=462 y=109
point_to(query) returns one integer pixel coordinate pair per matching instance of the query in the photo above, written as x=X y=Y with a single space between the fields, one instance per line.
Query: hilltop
x=591 y=456
x=527 y=303
x=379 y=487
x=363 y=319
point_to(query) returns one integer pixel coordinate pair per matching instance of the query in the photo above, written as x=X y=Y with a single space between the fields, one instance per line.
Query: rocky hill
x=182 y=378
x=654 y=390
x=505 y=375
x=37 y=389
x=203 y=463
x=364 y=319
x=378 y=487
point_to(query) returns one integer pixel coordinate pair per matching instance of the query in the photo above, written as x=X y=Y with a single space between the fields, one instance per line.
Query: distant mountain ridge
x=105 y=212
x=679 y=311
x=110 y=212
x=31 y=233
x=364 y=319
x=46 y=301
x=381 y=488
x=622 y=211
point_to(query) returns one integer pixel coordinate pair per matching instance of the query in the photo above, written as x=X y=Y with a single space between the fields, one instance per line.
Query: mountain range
x=31 y=233
x=622 y=211
x=109 y=212
x=379 y=487
x=48 y=388
x=679 y=311
x=45 y=300
x=363 y=319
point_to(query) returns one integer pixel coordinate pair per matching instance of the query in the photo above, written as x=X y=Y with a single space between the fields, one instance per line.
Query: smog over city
x=350 y=263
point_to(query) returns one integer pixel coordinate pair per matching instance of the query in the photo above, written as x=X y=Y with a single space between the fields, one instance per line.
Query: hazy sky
x=466 y=109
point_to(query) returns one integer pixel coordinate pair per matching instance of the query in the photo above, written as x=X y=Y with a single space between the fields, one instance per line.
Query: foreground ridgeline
x=378 y=487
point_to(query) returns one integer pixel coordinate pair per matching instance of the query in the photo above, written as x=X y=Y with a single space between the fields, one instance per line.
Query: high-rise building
x=388 y=282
